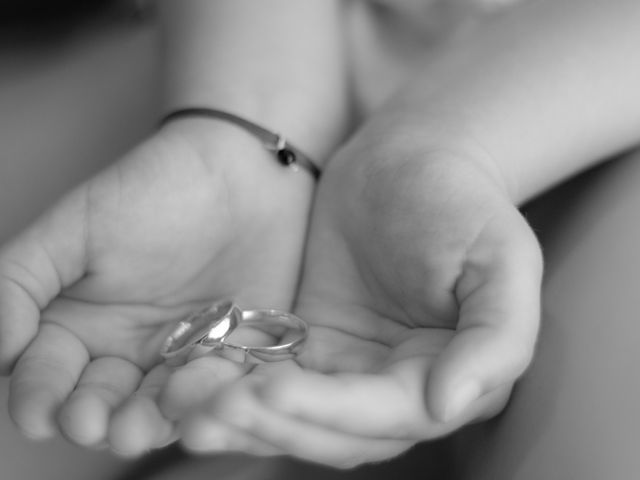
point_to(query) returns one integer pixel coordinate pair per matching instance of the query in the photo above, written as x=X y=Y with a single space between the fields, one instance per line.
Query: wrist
x=263 y=61
x=284 y=152
x=437 y=138
x=315 y=128
x=234 y=155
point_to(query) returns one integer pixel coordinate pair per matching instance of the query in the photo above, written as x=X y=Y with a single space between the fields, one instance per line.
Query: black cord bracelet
x=287 y=154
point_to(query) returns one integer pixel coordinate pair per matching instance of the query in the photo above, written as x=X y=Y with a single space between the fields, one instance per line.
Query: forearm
x=276 y=62
x=541 y=93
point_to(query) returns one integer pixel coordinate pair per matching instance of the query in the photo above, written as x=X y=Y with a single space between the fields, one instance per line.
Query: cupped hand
x=422 y=286
x=197 y=212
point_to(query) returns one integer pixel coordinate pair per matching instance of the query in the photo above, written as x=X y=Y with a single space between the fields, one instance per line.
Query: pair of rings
x=281 y=334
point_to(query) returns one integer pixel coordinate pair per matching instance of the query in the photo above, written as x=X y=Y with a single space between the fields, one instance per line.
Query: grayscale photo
x=319 y=239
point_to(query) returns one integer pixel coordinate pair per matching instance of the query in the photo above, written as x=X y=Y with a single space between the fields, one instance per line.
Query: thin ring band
x=298 y=330
x=211 y=324
x=286 y=153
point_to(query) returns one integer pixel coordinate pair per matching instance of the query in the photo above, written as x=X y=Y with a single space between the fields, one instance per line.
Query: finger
x=138 y=425
x=194 y=382
x=388 y=405
x=206 y=435
x=34 y=268
x=238 y=407
x=105 y=383
x=43 y=378
x=358 y=404
x=499 y=296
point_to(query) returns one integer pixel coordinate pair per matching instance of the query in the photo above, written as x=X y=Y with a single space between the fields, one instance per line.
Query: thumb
x=499 y=315
x=34 y=267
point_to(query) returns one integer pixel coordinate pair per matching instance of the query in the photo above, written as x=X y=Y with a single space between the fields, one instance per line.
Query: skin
x=198 y=211
x=106 y=290
x=417 y=327
x=422 y=280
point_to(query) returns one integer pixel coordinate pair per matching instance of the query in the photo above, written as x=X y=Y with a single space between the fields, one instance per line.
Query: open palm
x=422 y=285
x=87 y=293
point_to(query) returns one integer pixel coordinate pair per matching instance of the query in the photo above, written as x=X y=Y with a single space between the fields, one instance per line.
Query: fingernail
x=463 y=395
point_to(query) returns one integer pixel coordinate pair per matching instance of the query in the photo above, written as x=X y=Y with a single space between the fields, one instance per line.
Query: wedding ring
x=211 y=327
x=207 y=327
x=289 y=330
